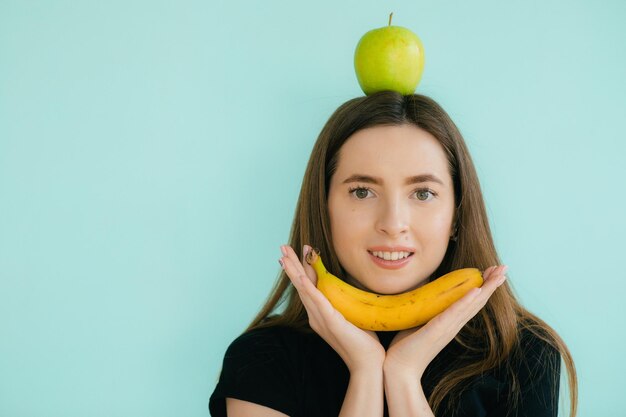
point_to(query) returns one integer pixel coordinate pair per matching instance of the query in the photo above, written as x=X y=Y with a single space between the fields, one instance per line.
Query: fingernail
x=283 y=250
x=281 y=263
x=506 y=268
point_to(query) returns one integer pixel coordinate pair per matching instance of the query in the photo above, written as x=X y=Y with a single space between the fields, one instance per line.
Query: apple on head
x=389 y=58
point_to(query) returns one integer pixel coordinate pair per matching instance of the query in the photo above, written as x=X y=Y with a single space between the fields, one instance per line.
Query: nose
x=394 y=218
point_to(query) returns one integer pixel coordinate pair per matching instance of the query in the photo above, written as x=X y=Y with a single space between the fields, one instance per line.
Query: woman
x=391 y=173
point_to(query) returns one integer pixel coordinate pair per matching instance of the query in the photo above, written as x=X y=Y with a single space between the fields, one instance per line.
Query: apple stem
x=390 y=18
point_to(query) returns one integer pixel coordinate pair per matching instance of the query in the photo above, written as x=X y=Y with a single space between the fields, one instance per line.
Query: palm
x=358 y=348
x=415 y=348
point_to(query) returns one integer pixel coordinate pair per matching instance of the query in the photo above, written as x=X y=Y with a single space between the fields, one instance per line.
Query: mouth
x=395 y=260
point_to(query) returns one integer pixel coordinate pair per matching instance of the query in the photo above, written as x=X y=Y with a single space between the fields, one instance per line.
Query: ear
x=454 y=228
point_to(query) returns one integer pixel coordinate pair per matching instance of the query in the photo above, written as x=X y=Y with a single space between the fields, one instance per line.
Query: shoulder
x=261 y=366
x=266 y=339
x=536 y=357
x=535 y=345
x=267 y=346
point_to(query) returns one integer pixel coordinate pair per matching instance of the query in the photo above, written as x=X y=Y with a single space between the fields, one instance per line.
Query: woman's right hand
x=360 y=349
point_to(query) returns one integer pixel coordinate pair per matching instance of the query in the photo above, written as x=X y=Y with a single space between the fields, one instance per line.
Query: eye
x=359 y=192
x=424 y=192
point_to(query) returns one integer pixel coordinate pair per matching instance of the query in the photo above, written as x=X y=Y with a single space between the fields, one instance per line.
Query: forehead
x=393 y=151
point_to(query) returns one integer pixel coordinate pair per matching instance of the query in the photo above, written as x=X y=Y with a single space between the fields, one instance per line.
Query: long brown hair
x=496 y=330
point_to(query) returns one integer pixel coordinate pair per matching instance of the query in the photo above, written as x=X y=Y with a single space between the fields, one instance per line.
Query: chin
x=393 y=287
x=390 y=289
x=390 y=292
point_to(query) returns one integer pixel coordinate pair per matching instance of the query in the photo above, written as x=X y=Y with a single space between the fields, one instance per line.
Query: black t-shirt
x=299 y=374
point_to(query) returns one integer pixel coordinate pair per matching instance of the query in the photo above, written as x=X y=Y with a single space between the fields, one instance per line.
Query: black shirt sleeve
x=256 y=368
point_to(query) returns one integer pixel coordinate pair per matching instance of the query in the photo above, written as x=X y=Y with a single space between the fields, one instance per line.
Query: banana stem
x=312 y=256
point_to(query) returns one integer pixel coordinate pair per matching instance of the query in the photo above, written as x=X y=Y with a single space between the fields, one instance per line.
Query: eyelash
x=352 y=190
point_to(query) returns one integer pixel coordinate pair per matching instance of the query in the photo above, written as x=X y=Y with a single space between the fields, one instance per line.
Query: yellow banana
x=370 y=311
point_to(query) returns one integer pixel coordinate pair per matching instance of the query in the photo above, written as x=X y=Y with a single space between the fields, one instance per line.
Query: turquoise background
x=151 y=155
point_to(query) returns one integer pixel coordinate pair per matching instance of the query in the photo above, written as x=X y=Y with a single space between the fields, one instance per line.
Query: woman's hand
x=360 y=349
x=412 y=350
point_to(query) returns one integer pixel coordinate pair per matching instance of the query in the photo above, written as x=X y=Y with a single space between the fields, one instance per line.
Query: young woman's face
x=374 y=207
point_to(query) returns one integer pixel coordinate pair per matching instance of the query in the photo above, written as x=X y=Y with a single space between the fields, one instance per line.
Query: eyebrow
x=410 y=180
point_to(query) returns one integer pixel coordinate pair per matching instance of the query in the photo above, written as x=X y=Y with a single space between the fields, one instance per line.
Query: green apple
x=389 y=58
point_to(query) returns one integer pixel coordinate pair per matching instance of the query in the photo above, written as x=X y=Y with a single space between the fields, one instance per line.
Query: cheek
x=442 y=221
x=439 y=224
x=347 y=226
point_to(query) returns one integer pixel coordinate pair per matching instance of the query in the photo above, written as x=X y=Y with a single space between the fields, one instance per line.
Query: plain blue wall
x=151 y=155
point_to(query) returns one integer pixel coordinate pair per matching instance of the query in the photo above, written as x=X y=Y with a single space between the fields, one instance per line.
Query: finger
x=311 y=297
x=491 y=282
x=495 y=279
x=284 y=263
x=291 y=254
x=488 y=272
x=292 y=267
x=318 y=307
x=490 y=285
x=461 y=307
x=299 y=279
x=459 y=313
x=322 y=303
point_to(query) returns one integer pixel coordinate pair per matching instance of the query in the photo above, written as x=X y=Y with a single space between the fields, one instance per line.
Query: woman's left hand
x=412 y=350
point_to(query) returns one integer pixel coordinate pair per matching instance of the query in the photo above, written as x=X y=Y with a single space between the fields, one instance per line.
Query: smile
x=402 y=259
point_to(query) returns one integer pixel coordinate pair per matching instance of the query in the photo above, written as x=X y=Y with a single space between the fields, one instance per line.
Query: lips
x=389 y=264
x=391 y=249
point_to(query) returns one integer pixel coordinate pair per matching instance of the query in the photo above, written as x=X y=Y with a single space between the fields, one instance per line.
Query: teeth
x=391 y=256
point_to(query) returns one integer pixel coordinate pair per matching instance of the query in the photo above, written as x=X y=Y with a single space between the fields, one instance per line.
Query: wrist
x=405 y=395
x=365 y=394
x=401 y=372
x=401 y=377
x=366 y=370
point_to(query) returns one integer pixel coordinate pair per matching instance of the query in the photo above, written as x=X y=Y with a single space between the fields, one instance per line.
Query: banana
x=370 y=311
